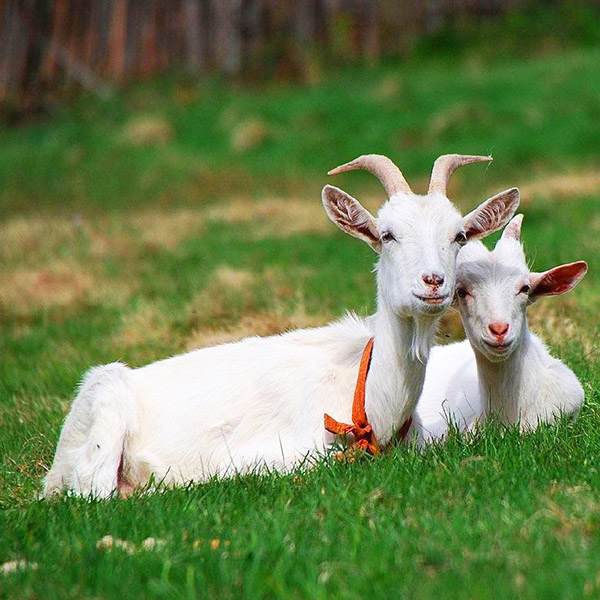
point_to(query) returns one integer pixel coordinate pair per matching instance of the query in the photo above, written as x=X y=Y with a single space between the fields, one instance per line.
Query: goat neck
x=506 y=385
x=397 y=371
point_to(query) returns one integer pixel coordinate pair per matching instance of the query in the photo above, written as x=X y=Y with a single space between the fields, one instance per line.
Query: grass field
x=177 y=215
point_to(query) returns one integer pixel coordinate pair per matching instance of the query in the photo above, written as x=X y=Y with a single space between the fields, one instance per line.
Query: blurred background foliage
x=109 y=104
x=50 y=50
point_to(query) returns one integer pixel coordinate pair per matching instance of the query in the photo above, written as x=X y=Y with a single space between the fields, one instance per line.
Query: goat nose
x=433 y=279
x=498 y=330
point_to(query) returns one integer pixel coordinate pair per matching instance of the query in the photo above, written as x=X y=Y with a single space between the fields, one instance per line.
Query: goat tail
x=92 y=441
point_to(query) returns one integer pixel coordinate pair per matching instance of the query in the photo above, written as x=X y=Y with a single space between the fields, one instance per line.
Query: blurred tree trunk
x=192 y=26
x=45 y=44
x=117 y=38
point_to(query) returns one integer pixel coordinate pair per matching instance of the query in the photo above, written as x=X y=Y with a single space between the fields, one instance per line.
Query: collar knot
x=361 y=429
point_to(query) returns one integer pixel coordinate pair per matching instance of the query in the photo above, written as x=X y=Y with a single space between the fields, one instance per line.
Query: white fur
x=468 y=380
x=260 y=402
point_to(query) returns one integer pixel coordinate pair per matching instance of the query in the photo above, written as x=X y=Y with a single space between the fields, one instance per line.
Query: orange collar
x=364 y=436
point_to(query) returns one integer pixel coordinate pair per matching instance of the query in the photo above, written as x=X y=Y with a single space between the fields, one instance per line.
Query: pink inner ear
x=357 y=221
x=558 y=280
x=492 y=214
x=350 y=216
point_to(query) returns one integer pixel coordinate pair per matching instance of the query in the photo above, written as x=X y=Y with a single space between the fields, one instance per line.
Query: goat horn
x=445 y=165
x=382 y=167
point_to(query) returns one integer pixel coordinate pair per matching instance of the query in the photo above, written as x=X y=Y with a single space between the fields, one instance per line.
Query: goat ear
x=348 y=214
x=556 y=281
x=513 y=230
x=491 y=215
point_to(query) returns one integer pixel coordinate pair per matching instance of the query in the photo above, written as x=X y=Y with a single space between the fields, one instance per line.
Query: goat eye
x=387 y=236
x=461 y=238
x=525 y=289
x=462 y=293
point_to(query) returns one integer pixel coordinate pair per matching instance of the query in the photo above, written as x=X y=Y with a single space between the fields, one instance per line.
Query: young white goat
x=261 y=402
x=502 y=368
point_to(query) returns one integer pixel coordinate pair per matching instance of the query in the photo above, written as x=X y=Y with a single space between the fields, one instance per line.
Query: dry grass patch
x=249 y=134
x=166 y=230
x=144 y=326
x=229 y=292
x=27 y=237
x=257 y=324
x=63 y=283
x=554 y=321
x=147 y=131
x=274 y=217
x=234 y=304
x=237 y=279
x=148 y=324
x=59 y=262
x=43 y=239
x=568 y=185
x=571 y=509
x=53 y=262
x=281 y=217
x=232 y=307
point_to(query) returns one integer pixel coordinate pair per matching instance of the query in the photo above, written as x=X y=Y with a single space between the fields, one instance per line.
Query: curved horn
x=445 y=165
x=382 y=167
x=513 y=229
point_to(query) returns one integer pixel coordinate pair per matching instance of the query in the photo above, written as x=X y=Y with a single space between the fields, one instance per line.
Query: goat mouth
x=432 y=300
x=498 y=347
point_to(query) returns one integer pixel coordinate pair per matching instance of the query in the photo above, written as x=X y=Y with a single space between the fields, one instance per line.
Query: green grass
x=115 y=250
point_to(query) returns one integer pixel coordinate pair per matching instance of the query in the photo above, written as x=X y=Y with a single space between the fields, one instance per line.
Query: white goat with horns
x=260 y=402
x=502 y=368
